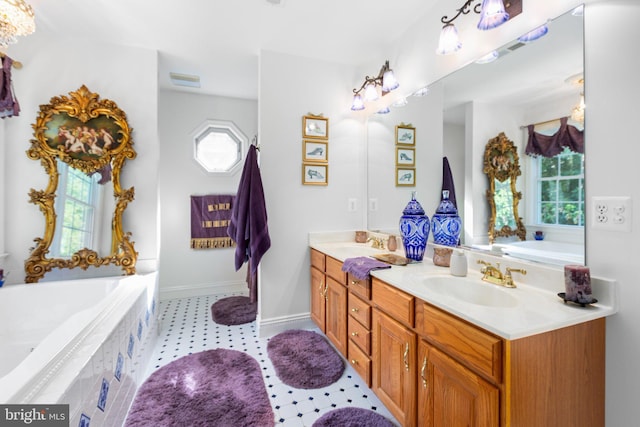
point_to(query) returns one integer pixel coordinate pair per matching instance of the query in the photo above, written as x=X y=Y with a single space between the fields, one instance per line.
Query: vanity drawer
x=396 y=303
x=359 y=335
x=359 y=310
x=317 y=259
x=359 y=286
x=360 y=362
x=478 y=349
x=334 y=269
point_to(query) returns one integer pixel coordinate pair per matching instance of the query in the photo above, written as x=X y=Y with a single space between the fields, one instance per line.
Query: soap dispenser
x=458 y=263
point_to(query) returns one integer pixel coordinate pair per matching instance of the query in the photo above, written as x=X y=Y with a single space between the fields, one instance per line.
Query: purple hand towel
x=361 y=266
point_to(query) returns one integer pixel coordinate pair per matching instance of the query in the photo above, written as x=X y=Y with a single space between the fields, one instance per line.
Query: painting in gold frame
x=315 y=127
x=315 y=174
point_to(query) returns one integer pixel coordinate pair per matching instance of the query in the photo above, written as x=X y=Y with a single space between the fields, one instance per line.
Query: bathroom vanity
x=444 y=351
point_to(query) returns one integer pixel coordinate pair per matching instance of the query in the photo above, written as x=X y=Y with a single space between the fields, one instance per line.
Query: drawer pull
x=354 y=362
x=320 y=289
x=355 y=309
x=405 y=356
x=354 y=282
x=354 y=334
x=423 y=372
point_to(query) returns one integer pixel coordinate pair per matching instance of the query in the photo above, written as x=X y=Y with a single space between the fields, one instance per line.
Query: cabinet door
x=394 y=367
x=318 y=298
x=450 y=395
x=336 y=315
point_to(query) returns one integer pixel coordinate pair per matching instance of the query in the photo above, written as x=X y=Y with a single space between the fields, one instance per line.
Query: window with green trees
x=560 y=189
x=76 y=206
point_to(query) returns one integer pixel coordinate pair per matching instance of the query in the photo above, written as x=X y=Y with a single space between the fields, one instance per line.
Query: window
x=219 y=147
x=560 y=189
x=77 y=207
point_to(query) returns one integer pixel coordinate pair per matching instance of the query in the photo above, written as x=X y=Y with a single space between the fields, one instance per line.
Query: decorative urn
x=414 y=229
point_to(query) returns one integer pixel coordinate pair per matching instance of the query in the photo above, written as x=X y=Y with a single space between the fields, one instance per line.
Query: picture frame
x=315 y=174
x=315 y=127
x=405 y=135
x=315 y=151
x=405 y=177
x=405 y=156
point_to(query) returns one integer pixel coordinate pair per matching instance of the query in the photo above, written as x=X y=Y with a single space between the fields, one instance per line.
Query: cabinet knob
x=354 y=282
x=354 y=334
x=354 y=362
x=355 y=309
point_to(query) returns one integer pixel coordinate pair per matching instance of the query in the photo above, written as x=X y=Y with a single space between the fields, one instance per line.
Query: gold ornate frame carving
x=501 y=162
x=52 y=143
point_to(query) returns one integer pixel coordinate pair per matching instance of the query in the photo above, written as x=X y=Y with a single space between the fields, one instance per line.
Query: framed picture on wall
x=315 y=127
x=405 y=177
x=315 y=151
x=405 y=135
x=405 y=156
x=315 y=174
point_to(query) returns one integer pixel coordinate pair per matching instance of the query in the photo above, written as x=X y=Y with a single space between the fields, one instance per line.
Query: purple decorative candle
x=577 y=283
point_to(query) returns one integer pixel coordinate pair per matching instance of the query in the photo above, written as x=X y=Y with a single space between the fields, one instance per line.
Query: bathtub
x=547 y=251
x=85 y=343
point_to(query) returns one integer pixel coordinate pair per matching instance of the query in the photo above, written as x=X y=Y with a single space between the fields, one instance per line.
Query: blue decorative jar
x=414 y=229
x=446 y=224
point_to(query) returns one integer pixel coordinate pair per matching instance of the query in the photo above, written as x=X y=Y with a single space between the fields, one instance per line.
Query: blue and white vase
x=414 y=228
x=446 y=224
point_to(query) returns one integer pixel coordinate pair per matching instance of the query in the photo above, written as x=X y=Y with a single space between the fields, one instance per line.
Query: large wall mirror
x=82 y=142
x=529 y=83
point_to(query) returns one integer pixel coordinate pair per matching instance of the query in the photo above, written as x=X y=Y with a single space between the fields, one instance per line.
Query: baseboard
x=188 y=291
x=275 y=325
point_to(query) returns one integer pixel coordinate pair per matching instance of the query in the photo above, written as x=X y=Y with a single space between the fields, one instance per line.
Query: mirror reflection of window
x=78 y=208
x=503 y=199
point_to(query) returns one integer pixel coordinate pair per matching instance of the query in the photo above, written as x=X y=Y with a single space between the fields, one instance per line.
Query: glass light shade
x=489 y=57
x=389 y=81
x=449 y=42
x=371 y=92
x=578 y=11
x=400 y=102
x=357 y=103
x=492 y=14
x=16 y=19
x=424 y=91
x=534 y=34
x=578 y=111
x=385 y=110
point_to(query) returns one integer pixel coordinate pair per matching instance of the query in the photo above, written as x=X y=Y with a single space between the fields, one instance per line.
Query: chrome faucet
x=492 y=274
x=377 y=242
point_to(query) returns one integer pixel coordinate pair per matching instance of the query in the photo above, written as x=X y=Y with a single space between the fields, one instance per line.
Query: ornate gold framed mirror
x=82 y=142
x=502 y=166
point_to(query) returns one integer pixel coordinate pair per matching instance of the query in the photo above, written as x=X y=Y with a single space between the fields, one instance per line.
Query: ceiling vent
x=187 y=80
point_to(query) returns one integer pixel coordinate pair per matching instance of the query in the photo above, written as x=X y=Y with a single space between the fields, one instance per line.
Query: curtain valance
x=551 y=145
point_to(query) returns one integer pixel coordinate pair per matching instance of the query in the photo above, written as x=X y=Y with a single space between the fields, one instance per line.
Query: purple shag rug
x=352 y=417
x=304 y=359
x=211 y=388
x=234 y=311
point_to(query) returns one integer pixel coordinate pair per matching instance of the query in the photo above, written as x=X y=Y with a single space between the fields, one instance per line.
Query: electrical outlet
x=373 y=205
x=353 y=205
x=612 y=213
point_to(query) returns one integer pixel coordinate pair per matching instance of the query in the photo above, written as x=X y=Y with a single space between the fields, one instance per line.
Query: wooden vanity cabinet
x=329 y=298
x=394 y=356
x=359 y=326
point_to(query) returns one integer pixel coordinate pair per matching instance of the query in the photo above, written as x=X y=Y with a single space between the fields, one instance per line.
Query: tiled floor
x=186 y=327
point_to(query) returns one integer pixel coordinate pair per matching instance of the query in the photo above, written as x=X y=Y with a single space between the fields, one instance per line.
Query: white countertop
x=533 y=306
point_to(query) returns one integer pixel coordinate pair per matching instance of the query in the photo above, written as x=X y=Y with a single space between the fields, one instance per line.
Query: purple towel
x=248 y=226
x=361 y=266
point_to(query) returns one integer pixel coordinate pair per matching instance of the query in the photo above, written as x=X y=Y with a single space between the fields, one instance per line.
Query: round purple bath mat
x=235 y=310
x=352 y=417
x=304 y=359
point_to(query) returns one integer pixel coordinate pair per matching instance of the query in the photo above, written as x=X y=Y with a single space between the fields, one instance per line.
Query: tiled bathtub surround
x=104 y=359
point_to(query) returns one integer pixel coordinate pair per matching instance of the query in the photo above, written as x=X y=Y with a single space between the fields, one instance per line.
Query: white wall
x=125 y=75
x=182 y=268
x=612 y=170
x=291 y=87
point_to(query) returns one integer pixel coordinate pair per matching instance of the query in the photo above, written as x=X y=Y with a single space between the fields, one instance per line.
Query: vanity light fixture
x=577 y=113
x=16 y=19
x=489 y=57
x=493 y=13
x=374 y=87
x=534 y=34
x=423 y=91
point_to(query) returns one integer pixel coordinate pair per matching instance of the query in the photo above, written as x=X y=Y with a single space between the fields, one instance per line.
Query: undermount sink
x=471 y=291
